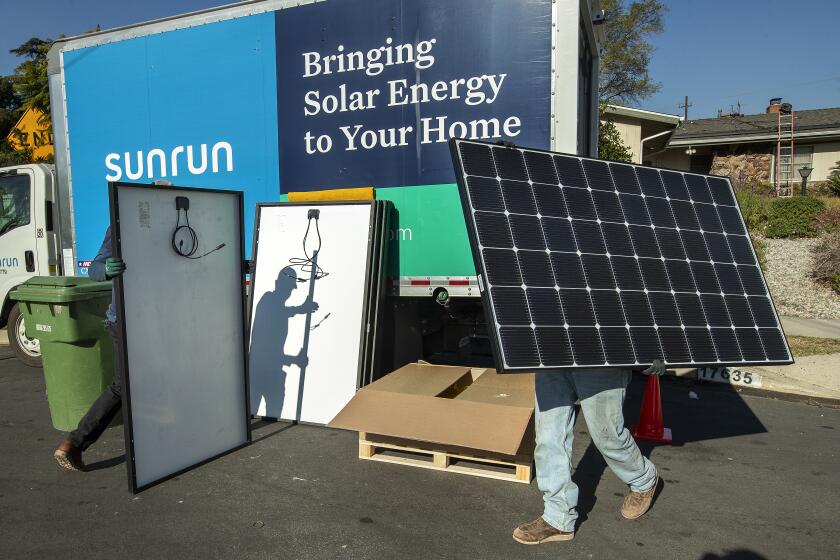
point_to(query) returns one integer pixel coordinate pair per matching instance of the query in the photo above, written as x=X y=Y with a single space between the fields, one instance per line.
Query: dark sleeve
x=97 y=266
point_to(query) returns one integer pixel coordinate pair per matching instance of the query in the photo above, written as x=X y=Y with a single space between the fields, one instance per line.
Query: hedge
x=793 y=217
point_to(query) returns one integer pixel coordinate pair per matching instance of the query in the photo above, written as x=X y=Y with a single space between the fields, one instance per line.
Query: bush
x=827 y=261
x=833 y=183
x=828 y=220
x=760 y=247
x=754 y=207
x=793 y=217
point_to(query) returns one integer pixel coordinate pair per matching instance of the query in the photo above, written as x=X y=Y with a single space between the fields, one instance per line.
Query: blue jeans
x=601 y=395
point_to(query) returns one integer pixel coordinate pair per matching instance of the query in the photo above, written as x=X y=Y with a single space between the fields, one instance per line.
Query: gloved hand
x=114 y=266
x=656 y=368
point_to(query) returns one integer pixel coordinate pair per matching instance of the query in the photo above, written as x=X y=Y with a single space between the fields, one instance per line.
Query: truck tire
x=27 y=350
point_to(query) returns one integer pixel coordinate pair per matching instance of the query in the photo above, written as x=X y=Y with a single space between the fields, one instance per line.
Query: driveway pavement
x=749 y=477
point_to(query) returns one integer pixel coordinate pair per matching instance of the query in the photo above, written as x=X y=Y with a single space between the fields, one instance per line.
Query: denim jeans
x=601 y=395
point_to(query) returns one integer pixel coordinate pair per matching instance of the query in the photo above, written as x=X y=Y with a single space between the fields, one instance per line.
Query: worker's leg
x=601 y=396
x=105 y=407
x=554 y=421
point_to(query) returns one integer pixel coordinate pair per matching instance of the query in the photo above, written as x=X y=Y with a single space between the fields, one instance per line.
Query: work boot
x=69 y=456
x=538 y=532
x=636 y=504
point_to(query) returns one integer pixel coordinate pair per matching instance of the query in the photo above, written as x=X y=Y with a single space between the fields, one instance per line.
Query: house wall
x=675 y=158
x=826 y=156
x=630 y=130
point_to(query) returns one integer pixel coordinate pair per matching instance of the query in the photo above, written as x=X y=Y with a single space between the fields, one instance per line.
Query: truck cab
x=28 y=244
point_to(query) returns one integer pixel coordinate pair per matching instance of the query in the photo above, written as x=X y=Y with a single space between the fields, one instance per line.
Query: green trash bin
x=66 y=314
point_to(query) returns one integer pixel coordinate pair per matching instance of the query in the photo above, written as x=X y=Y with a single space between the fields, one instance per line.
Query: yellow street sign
x=30 y=133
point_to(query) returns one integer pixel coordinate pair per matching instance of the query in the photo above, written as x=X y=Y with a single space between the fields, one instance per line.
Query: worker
x=93 y=423
x=601 y=394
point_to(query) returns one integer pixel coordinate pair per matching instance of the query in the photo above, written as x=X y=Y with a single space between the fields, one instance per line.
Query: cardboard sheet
x=454 y=406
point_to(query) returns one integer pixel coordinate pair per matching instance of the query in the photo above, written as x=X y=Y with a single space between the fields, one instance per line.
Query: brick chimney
x=776 y=106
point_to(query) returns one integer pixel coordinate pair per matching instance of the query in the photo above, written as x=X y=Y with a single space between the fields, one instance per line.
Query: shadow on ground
x=299 y=492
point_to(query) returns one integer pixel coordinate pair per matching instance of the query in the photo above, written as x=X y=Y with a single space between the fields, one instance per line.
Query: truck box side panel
x=234 y=95
x=137 y=109
x=378 y=86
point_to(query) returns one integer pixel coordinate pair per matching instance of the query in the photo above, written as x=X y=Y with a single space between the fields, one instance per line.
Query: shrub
x=760 y=247
x=754 y=207
x=833 y=182
x=828 y=220
x=793 y=217
x=827 y=261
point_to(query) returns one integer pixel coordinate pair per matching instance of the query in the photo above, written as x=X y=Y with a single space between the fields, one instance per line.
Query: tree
x=10 y=112
x=27 y=87
x=30 y=79
x=626 y=51
x=9 y=106
x=610 y=145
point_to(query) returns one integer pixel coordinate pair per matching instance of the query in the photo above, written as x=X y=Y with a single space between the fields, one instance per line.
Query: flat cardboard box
x=459 y=407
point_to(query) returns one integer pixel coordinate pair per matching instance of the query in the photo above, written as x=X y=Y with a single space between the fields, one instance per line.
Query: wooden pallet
x=427 y=456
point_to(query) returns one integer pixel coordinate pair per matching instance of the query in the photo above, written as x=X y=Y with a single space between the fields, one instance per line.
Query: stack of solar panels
x=374 y=305
x=584 y=262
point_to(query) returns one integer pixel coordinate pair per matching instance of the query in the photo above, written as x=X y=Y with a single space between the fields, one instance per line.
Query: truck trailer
x=277 y=96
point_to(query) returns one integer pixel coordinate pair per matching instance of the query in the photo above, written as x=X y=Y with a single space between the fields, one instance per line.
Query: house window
x=802 y=156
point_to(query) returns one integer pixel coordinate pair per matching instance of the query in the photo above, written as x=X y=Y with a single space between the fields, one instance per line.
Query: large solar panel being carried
x=584 y=263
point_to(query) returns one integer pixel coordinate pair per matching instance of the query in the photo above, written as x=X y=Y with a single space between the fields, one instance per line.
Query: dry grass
x=830 y=201
x=810 y=345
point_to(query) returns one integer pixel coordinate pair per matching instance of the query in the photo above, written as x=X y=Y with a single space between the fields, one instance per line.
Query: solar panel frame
x=541 y=345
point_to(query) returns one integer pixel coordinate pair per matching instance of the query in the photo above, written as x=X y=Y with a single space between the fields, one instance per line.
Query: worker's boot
x=69 y=456
x=538 y=532
x=636 y=504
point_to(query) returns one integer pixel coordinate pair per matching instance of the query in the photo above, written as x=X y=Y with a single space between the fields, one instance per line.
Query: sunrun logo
x=8 y=261
x=158 y=163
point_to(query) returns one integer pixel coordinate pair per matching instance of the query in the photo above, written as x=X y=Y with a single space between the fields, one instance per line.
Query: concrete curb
x=811 y=376
x=820 y=328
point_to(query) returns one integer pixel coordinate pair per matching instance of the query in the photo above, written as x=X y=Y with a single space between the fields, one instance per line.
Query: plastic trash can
x=66 y=314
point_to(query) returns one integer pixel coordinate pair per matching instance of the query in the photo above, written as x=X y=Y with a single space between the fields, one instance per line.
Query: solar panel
x=584 y=262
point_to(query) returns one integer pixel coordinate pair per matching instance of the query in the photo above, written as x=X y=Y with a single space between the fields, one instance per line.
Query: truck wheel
x=27 y=350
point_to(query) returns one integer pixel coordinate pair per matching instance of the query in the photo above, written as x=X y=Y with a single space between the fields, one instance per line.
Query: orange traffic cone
x=651 y=425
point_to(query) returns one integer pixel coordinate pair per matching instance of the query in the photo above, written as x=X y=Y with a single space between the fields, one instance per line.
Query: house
x=644 y=132
x=747 y=148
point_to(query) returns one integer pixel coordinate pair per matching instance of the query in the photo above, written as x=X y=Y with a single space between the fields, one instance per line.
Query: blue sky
x=717 y=52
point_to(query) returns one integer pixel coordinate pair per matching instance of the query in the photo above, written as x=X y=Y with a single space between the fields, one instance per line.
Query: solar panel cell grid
x=589 y=263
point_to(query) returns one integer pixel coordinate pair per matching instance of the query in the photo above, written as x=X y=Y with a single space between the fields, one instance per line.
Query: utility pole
x=685 y=106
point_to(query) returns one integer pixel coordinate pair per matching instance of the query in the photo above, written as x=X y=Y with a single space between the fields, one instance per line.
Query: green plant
x=610 y=145
x=827 y=261
x=760 y=247
x=754 y=208
x=828 y=220
x=757 y=186
x=833 y=182
x=793 y=217
x=626 y=50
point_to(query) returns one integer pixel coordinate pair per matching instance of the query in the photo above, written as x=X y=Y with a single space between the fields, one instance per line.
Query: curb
x=775 y=385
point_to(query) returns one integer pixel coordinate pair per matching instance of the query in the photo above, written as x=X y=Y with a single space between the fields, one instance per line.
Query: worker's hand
x=302 y=360
x=656 y=368
x=310 y=307
x=114 y=266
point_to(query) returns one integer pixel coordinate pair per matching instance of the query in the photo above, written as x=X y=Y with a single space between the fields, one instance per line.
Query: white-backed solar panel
x=585 y=262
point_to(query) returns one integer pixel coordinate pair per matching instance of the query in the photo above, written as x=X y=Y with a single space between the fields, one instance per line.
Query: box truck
x=278 y=96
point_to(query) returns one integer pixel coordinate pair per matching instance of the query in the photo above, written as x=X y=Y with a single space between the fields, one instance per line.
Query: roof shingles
x=809 y=120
